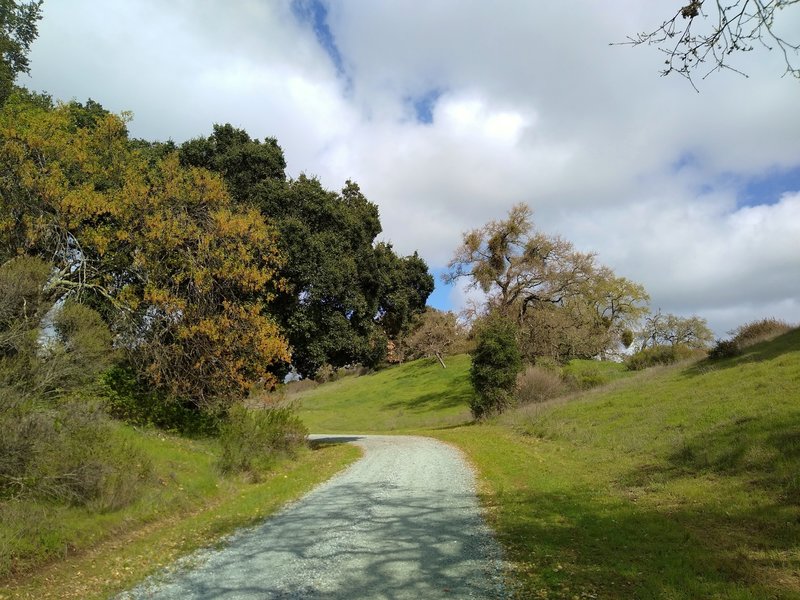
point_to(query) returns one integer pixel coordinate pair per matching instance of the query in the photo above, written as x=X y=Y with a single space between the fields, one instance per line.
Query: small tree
x=671 y=330
x=496 y=361
x=435 y=334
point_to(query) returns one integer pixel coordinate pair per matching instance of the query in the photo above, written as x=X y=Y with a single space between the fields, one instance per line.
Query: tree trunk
x=439 y=356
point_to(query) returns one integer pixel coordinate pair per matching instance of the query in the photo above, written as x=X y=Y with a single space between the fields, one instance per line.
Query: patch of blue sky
x=424 y=104
x=768 y=187
x=441 y=297
x=315 y=14
x=763 y=189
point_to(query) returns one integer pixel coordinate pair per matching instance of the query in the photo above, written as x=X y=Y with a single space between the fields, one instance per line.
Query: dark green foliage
x=252 y=439
x=18 y=29
x=332 y=296
x=724 y=349
x=127 y=397
x=496 y=361
x=405 y=289
x=344 y=294
x=85 y=115
x=244 y=162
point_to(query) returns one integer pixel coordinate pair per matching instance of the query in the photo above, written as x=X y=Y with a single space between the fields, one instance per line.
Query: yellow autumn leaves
x=182 y=273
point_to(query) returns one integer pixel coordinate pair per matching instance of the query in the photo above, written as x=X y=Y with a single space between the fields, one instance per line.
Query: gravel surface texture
x=402 y=522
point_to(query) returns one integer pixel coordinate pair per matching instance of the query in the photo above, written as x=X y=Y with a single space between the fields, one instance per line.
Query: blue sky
x=768 y=187
x=448 y=114
x=314 y=14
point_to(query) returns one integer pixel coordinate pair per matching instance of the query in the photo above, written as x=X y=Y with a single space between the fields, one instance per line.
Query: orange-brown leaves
x=193 y=268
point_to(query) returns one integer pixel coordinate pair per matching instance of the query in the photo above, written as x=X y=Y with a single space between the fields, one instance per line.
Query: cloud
x=450 y=113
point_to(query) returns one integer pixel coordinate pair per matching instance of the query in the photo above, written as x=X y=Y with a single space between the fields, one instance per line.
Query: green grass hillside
x=674 y=483
x=419 y=394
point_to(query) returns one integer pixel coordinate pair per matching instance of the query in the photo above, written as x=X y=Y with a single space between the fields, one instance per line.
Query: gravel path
x=403 y=522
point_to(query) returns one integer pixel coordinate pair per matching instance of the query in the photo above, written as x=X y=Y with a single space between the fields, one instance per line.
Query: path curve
x=402 y=522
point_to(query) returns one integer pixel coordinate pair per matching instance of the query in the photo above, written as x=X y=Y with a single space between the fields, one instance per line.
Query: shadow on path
x=401 y=523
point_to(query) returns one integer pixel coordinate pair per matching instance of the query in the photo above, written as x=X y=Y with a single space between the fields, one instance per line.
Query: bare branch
x=693 y=42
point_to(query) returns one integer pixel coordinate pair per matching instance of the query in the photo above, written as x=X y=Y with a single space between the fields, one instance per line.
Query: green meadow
x=677 y=482
x=419 y=394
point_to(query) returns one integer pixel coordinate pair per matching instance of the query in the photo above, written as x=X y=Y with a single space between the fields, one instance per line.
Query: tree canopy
x=563 y=302
x=662 y=329
x=344 y=294
x=181 y=272
x=436 y=332
x=18 y=29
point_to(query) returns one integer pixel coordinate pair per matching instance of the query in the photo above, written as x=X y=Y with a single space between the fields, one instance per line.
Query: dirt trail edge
x=402 y=522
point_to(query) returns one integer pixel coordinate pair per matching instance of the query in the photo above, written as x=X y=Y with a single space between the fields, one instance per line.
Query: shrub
x=660 y=355
x=548 y=363
x=747 y=335
x=325 y=373
x=70 y=454
x=584 y=377
x=251 y=440
x=537 y=384
x=724 y=349
x=299 y=386
x=495 y=364
x=759 y=331
x=76 y=352
x=23 y=304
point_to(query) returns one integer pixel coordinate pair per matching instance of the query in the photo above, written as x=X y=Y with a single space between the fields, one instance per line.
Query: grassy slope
x=414 y=395
x=187 y=505
x=681 y=482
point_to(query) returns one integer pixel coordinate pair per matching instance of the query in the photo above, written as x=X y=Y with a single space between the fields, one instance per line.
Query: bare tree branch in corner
x=698 y=37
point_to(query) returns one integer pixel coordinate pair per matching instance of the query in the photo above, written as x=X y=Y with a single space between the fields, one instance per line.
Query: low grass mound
x=678 y=482
x=418 y=394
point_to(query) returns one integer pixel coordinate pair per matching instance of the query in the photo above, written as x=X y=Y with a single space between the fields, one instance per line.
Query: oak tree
x=435 y=334
x=179 y=270
x=344 y=294
x=662 y=329
x=563 y=302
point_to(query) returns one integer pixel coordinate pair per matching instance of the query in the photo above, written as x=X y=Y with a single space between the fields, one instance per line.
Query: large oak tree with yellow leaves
x=180 y=272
